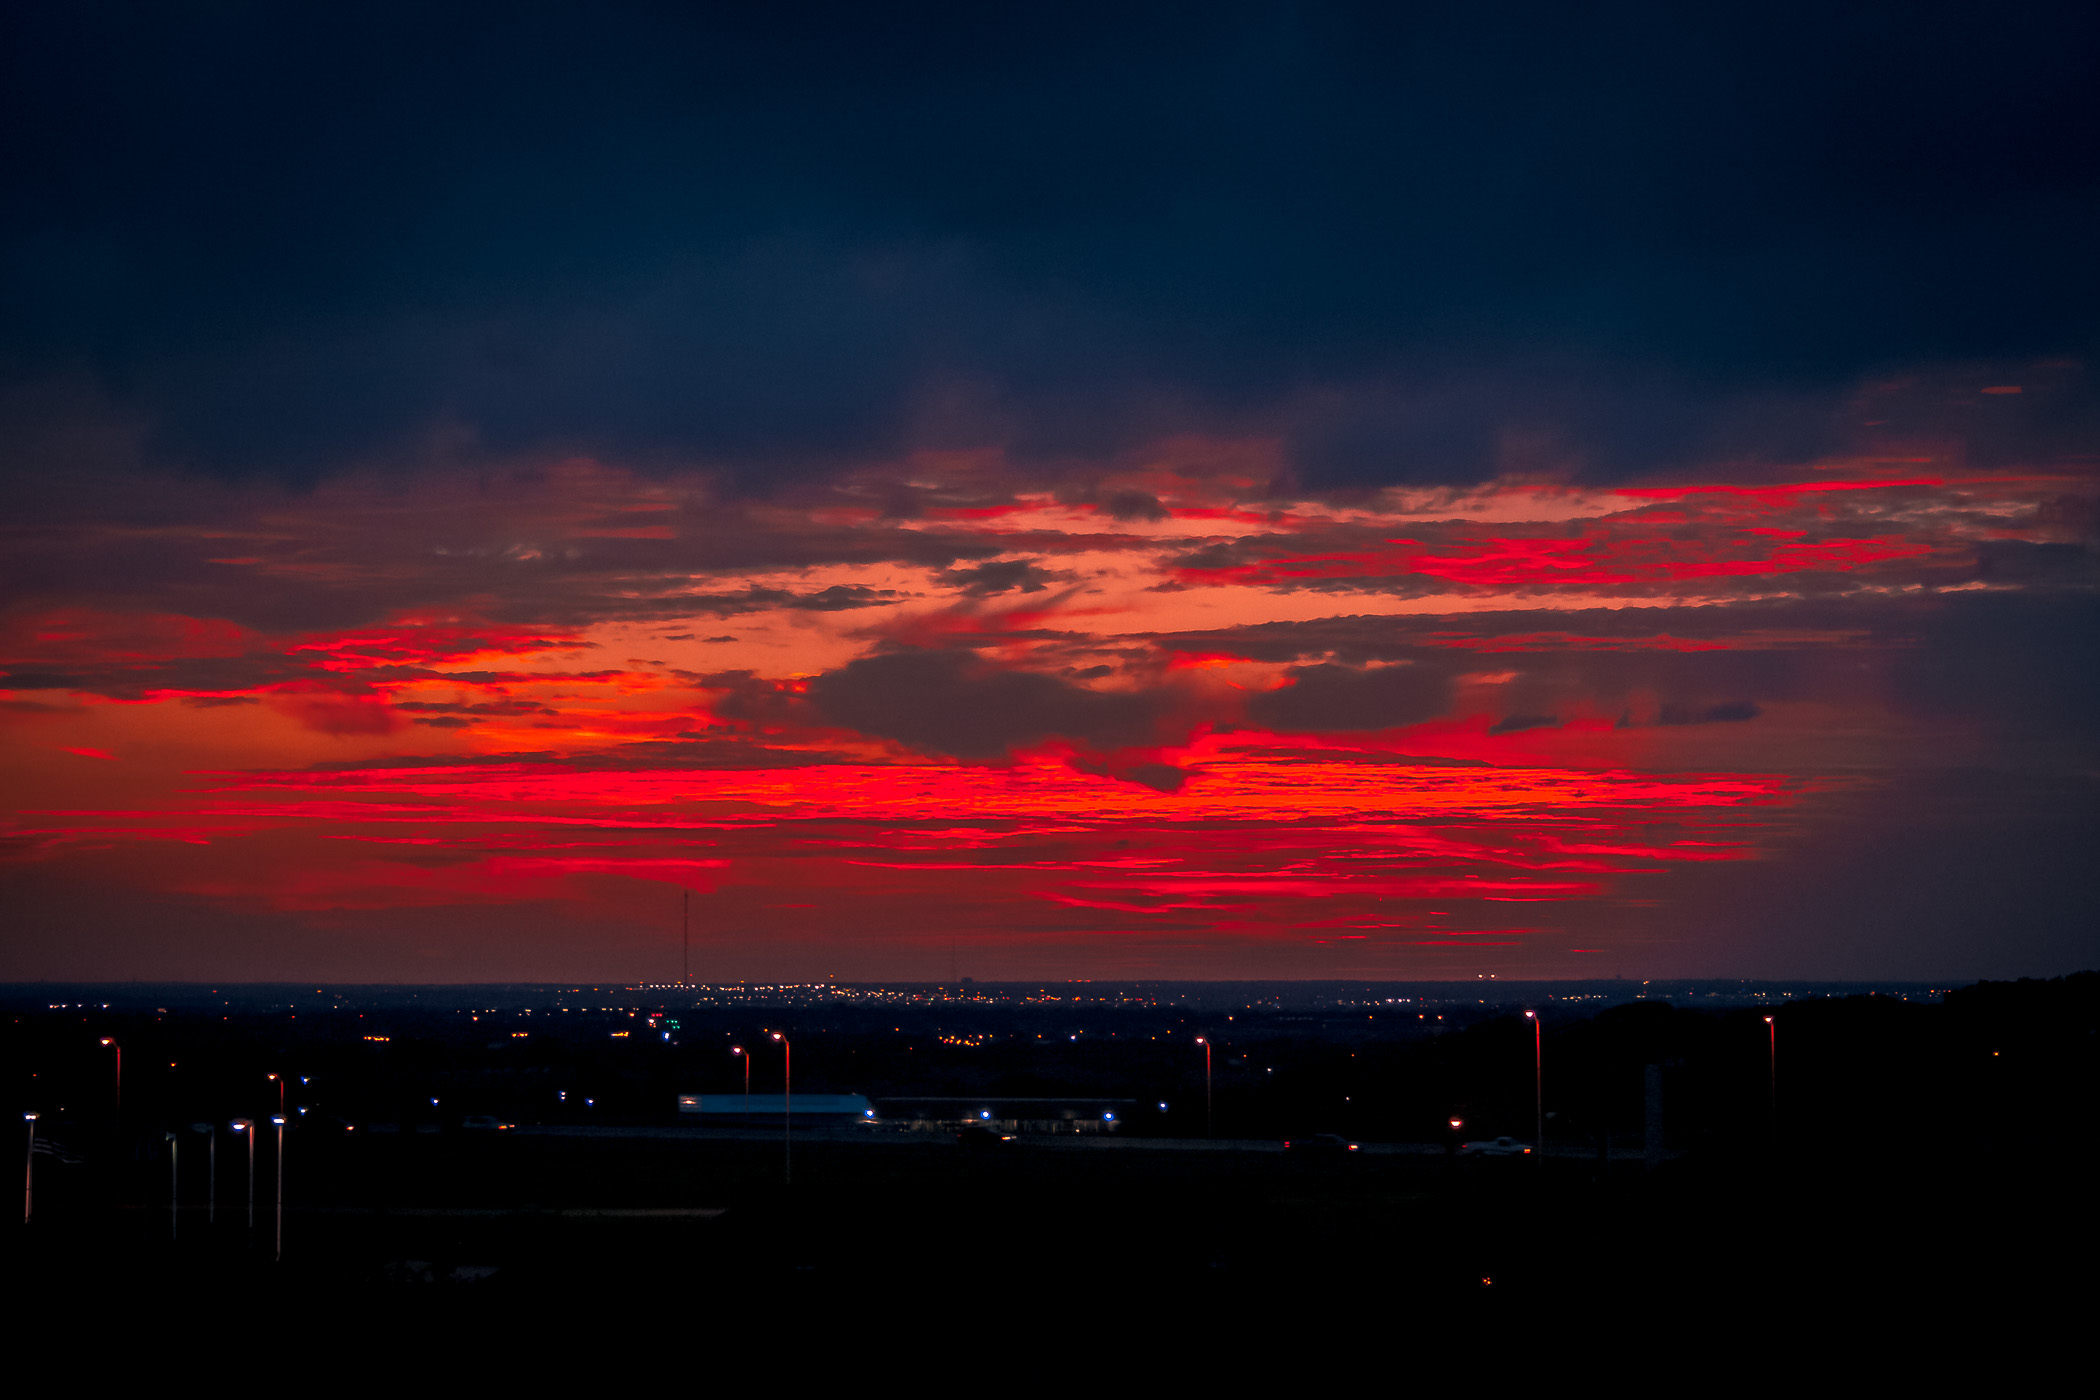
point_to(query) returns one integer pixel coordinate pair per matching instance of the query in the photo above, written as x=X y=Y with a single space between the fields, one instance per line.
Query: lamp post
x=29 y=1170
x=787 y=1108
x=211 y=1173
x=1206 y=1085
x=279 y=1121
x=278 y=1079
x=1772 y=1066
x=112 y=1044
x=1538 y=1077
x=247 y=1126
x=740 y=1050
x=174 y=1186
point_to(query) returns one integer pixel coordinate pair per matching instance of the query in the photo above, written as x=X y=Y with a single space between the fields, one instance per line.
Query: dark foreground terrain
x=1930 y=1192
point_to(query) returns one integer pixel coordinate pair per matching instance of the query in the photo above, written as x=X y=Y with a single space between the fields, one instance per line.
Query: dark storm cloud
x=1000 y=576
x=1424 y=244
x=1335 y=698
x=1728 y=712
x=2022 y=667
x=954 y=703
x=839 y=597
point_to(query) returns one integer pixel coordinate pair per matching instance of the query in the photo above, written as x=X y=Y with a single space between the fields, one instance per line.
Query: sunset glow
x=1251 y=492
x=1302 y=740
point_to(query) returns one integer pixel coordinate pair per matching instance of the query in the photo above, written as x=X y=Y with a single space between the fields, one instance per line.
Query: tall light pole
x=211 y=1174
x=279 y=1121
x=1206 y=1084
x=1772 y=1065
x=174 y=1186
x=685 y=939
x=278 y=1080
x=740 y=1050
x=1538 y=1077
x=29 y=1170
x=112 y=1044
x=787 y=1108
x=247 y=1126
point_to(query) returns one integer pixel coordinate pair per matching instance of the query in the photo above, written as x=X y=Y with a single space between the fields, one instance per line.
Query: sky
x=1134 y=491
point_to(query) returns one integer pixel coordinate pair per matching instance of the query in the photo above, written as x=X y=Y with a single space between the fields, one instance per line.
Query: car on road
x=485 y=1123
x=1320 y=1145
x=1496 y=1147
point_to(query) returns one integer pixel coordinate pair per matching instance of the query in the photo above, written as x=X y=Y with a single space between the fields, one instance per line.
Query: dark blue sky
x=775 y=237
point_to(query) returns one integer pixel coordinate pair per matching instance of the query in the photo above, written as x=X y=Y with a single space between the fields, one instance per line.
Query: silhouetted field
x=1923 y=1157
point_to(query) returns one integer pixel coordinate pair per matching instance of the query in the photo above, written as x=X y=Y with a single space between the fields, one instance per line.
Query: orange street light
x=29 y=1170
x=1538 y=1075
x=787 y=1108
x=1206 y=1085
x=740 y=1050
x=174 y=1184
x=1772 y=1065
x=112 y=1044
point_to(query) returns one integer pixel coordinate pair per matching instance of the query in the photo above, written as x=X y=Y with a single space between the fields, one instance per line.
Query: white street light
x=247 y=1127
x=279 y=1121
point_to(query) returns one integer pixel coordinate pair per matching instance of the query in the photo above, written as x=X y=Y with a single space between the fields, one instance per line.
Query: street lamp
x=1206 y=1085
x=112 y=1044
x=787 y=1108
x=29 y=1170
x=279 y=1079
x=211 y=1175
x=740 y=1050
x=174 y=1185
x=1538 y=1076
x=1772 y=1064
x=247 y=1126
x=279 y=1121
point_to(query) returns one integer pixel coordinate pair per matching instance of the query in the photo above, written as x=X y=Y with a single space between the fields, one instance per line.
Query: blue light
x=1108 y=1117
x=986 y=1114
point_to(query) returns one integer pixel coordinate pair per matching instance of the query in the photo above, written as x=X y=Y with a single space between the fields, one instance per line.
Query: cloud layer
x=1267 y=490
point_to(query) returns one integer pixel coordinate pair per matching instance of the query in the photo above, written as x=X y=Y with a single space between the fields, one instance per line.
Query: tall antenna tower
x=685 y=938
